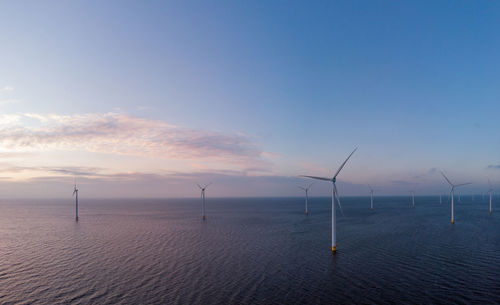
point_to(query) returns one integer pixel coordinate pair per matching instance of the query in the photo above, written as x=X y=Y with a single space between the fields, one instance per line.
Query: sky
x=148 y=98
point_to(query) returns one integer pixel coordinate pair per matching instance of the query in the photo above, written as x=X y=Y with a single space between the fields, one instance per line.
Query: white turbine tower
x=452 y=194
x=75 y=192
x=490 y=190
x=306 y=189
x=334 y=195
x=203 y=199
x=371 y=197
x=412 y=199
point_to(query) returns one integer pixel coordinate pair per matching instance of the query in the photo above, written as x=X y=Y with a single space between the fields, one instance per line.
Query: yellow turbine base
x=334 y=249
x=453 y=221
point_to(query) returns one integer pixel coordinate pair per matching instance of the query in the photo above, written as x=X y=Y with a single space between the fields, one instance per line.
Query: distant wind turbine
x=453 y=186
x=306 y=189
x=412 y=199
x=75 y=192
x=371 y=197
x=334 y=195
x=203 y=199
x=490 y=190
x=440 y=199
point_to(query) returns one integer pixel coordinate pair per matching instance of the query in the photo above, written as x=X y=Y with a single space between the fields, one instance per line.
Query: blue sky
x=250 y=94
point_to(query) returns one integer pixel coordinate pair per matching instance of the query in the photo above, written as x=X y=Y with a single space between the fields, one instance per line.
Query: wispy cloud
x=124 y=134
x=68 y=170
x=494 y=166
x=6 y=89
x=8 y=101
x=9 y=155
x=402 y=182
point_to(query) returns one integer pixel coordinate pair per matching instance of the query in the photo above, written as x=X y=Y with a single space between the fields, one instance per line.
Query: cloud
x=124 y=134
x=431 y=171
x=9 y=119
x=402 y=182
x=493 y=166
x=6 y=89
x=8 y=101
x=5 y=155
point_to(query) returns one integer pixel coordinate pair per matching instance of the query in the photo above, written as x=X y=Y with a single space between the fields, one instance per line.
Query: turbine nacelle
x=204 y=187
x=306 y=189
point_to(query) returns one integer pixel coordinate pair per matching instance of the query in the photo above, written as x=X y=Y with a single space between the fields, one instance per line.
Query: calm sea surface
x=248 y=251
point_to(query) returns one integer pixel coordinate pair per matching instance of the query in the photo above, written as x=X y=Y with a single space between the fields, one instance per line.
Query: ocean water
x=248 y=251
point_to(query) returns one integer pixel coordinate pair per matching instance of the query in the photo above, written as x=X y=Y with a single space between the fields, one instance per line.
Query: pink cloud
x=124 y=134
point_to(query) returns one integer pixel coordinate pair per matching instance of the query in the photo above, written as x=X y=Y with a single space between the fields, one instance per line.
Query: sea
x=249 y=251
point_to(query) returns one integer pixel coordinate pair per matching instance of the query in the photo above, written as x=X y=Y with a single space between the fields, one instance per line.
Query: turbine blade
x=300 y=187
x=73 y=193
x=310 y=185
x=446 y=178
x=207 y=185
x=462 y=184
x=199 y=186
x=341 y=166
x=338 y=200
x=317 y=178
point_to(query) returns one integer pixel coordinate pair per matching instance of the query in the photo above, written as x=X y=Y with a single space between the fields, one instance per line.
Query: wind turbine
x=203 y=199
x=412 y=199
x=453 y=186
x=334 y=195
x=306 y=189
x=371 y=197
x=440 y=199
x=75 y=192
x=490 y=190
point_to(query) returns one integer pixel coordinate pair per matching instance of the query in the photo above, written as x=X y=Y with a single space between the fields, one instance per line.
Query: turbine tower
x=306 y=189
x=75 y=193
x=453 y=186
x=371 y=197
x=490 y=190
x=203 y=199
x=440 y=199
x=334 y=195
x=412 y=199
